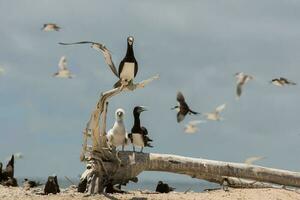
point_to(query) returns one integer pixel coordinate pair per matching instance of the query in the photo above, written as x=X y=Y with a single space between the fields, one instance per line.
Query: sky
x=195 y=46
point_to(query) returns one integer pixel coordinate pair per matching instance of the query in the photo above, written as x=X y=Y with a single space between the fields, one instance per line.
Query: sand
x=233 y=194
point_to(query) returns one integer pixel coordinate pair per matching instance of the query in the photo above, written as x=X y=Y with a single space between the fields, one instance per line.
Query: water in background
x=181 y=186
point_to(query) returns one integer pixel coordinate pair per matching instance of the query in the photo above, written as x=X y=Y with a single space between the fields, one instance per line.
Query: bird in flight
x=282 y=82
x=192 y=127
x=242 y=79
x=63 y=71
x=183 y=108
x=215 y=115
x=50 y=27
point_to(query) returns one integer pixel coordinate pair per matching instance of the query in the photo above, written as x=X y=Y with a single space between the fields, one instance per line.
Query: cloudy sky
x=195 y=46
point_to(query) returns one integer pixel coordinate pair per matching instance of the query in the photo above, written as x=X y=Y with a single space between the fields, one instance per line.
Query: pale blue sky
x=195 y=46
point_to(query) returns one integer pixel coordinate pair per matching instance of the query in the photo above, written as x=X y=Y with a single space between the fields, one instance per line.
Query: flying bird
x=50 y=27
x=139 y=134
x=183 y=108
x=215 y=115
x=192 y=127
x=242 y=79
x=282 y=82
x=163 y=187
x=63 y=71
x=251 y=160
x=117 y=135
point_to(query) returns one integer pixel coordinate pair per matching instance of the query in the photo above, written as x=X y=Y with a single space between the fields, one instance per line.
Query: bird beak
x=143 y=108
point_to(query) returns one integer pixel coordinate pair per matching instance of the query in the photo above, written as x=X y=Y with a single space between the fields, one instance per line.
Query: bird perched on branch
x=242 y=79
x=183 y=108
x=282 y=82
x=50 y=27
x=192 y=127
x=128 y=67
x=163 y=187
x=117 y=135
x=215 y=116
x=63 y=71
x=139 y=134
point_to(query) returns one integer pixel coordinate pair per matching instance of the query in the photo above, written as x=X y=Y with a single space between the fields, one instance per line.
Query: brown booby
x=128 y=67
x=163 y=187
x=183 y=108
x=139 y=134
x=51 y=185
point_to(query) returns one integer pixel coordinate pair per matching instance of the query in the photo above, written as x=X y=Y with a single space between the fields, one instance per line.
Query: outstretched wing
x=103 y=49
x=239 y=90
x=180 y=97
x=62 y=65
x=220 y=108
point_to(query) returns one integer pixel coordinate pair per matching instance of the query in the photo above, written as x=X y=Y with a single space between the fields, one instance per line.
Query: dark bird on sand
x=163 y=187
x=128 y=67
x=52 y=185
x=183 y=108
x=30 y=184
x=139 y=134
x=50 y=27
x=9 y=170
x=282 y=82
x=12 y=182
x=82 y=185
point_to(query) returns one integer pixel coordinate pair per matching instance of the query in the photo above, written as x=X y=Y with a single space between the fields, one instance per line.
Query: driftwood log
x=106 y=166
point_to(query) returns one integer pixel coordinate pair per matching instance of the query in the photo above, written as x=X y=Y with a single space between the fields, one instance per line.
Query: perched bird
x=138 y=135
x=242 y=79
x=215 y=116
x=128 y=67
x=102 y=48
x=251 y=160
x=117 y=135
x=192 y=127
x=63 y=71
x=163 y=187
x=183 y=108
x=51 y=185
x=282 y=82
x=50 y=27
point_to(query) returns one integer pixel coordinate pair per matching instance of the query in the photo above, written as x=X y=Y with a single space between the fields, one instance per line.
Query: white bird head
x=130 y=40
x=119 y=114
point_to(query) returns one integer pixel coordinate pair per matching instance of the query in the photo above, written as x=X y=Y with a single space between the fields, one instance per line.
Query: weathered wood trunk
x=107 y=166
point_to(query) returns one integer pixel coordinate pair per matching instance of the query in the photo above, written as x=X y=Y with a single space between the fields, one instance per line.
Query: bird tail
x=117 y=84
x=194 y=112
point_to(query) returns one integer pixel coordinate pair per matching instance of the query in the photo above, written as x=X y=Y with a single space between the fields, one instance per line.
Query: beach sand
x=234 y=194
